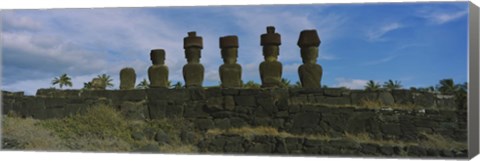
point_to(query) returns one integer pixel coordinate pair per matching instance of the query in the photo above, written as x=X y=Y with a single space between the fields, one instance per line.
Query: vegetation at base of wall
x=100 y=129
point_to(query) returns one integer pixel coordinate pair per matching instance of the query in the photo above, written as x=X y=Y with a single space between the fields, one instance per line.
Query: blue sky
x=415 y=43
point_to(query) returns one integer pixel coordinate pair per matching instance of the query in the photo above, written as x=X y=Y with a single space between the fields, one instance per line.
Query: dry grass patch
x=438 y=141
x=29 y=134
x=376 y=104
x=178 y=149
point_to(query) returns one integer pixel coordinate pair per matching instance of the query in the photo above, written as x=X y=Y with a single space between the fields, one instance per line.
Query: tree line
x=445 y=86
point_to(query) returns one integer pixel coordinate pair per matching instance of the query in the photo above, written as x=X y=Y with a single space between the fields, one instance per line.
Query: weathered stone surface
x=333 y=92
x=386 y=98
x=195 y=110
x=369 y=148
x=306 y=120
x=245 y=101
x=416 y=151
x=424 y=99
x=222 y=123
x=158 y=72
x=230 y=71
x=51 y=93
x=234 y=144
x=214 y=104
x=179 y=95
x=134 y=95
x=359 y=122
x=229 y=103
x=333 y=100
x=391 y=130
x=402 y=96
x=310 y=72
x=157 y=109
x=193 y=71
x=358 y=97
x=271 y=69
x=238 y=122
x=174 y=111
x=204 y=124
x=127 y=78
x=98 y=84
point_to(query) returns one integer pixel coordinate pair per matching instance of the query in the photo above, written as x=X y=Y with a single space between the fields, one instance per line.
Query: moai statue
x=127 y=78
x=310 y=72
x=158 y=72
x=230 y=71
x=98 y=84
x=270 y=69
x=193 y=71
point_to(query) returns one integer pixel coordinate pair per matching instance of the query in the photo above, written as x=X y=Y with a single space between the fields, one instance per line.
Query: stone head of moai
x=98 y=84
x=157 y=56
x=158 y=72
x=127 y=78
x=270 y=42
x=309 y=41
x=193 y=45
x=310 y=72
x=229 y=49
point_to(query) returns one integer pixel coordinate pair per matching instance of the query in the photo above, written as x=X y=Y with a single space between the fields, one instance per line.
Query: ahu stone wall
x=403 y=114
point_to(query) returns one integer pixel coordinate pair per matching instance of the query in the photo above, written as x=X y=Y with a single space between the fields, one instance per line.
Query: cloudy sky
x=415 y=43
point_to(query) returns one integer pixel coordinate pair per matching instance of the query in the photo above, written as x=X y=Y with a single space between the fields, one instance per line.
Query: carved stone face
x=270 y=53
x=158 y=60
x=193 y=55
x=229 y=55
x=309 y=54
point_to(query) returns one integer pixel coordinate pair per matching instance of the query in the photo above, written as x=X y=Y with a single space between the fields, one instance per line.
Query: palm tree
x=372 y=86
x=447 y=86
x=297 y=84
x=87 y=85
x=251 y=85
x=391 y=85
x=177 y=85
x=63 y=80
x=285 y=83
x=143 y=84
x=106 y=79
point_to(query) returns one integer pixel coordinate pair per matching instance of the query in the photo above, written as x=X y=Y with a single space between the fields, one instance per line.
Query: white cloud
x=21 y=22
x=447 y=17
x=351 y=83
x=378 y=33
x=439 y=17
